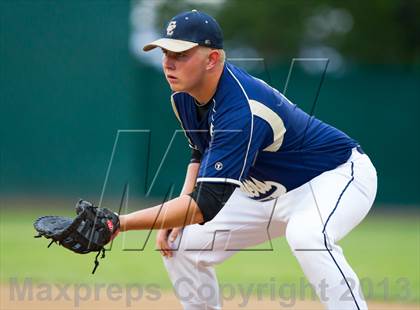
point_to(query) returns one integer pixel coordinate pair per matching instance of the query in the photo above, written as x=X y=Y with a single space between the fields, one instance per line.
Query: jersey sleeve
x=177 y=114
x=235 y=141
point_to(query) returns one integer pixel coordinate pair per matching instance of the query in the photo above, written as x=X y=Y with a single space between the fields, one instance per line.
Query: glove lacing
x=96 y=259
x=96 y=262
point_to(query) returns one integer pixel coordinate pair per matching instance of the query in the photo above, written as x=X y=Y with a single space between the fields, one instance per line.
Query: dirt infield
x=52 y=298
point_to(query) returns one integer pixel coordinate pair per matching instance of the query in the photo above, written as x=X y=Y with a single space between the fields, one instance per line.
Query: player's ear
x=213 y=59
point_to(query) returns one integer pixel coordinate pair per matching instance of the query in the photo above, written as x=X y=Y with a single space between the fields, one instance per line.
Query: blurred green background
x=72 y=74
x=76 y=91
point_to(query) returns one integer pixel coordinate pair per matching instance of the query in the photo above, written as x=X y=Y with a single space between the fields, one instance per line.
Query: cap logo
x=171 y=27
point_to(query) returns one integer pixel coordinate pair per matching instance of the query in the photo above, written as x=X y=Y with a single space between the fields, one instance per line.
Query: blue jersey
x=254 y=137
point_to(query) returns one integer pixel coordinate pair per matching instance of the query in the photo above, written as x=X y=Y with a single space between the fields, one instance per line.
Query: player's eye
x=181 y=55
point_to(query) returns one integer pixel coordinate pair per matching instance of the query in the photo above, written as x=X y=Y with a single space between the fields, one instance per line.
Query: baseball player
x=260 y=168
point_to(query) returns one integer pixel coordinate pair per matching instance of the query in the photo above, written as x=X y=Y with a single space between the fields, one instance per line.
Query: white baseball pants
x=313 y=218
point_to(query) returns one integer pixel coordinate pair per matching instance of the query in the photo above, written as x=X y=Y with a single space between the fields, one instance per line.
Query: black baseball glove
x=89 y=231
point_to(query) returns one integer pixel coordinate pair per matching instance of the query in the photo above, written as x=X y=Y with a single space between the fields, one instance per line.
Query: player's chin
x=176 y=87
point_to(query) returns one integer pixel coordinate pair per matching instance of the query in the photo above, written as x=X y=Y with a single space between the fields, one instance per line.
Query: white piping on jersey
x=275 y=122
x=179 y=119
x=174 y=106
x=214 y=111
x=252 y=122
x=219 y=180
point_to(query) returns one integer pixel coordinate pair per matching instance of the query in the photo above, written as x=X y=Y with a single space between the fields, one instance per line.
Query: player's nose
x=168 y=63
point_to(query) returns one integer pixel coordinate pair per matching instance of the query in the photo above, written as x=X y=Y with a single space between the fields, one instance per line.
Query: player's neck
x=206 y=90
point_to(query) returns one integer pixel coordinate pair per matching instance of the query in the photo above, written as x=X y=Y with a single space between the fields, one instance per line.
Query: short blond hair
x=222 y=56
x=222 y=53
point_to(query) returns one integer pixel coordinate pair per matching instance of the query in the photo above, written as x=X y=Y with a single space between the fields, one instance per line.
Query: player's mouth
x=171 y=78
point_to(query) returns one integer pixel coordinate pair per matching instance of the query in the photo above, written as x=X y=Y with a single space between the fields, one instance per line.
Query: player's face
x=184 y=71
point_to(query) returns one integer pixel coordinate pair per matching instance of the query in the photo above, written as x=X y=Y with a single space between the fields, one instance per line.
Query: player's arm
x=192 y=172
x=169 y=235
x=177 y=212
x=184 y=206
x=200 y=206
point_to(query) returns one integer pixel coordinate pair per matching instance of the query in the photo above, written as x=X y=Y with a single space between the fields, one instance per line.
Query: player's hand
x=164 y=237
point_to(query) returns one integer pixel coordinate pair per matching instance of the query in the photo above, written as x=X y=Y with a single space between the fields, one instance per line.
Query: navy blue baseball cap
x=187 y=30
